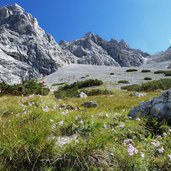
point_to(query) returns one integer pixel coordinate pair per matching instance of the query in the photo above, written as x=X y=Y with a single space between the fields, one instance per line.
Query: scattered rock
x=63 y=140
x=82 y=95
x=158 y=107
x=90 y=104
x=68 y=107
x=138 y=94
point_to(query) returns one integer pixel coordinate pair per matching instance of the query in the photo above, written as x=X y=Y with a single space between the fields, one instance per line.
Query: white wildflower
x=142 y=154
x=161 y=150
x=61 y=123
x=169 y=156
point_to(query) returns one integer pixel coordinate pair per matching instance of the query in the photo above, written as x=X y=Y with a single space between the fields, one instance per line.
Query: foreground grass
x=31 y=127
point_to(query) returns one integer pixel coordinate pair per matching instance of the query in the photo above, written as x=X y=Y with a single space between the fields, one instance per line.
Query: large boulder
x=158 y=108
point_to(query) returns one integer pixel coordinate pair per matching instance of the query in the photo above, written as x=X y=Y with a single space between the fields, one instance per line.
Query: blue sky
x=143 y=24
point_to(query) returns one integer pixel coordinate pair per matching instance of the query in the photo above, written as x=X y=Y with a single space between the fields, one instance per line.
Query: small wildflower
x=105 y=126
x=138 y=119
x=127 y=141
x=161 y=150
x=81 y=122
x=132 y=150
x=45 y=109
x=53 y=126
x=164 y=134
x=169 y=157
x=61 y=123
x=122 y=126
x=142 y=154
x=156 y=144
x=51 y=120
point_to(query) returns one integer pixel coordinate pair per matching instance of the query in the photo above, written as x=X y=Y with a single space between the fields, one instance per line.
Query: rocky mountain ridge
x=92 y=49
x=26 y=51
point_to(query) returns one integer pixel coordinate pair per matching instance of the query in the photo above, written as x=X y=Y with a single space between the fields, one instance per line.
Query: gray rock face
x=26 y=51
x=92 y=49
x=162 y=59
x=158 y=107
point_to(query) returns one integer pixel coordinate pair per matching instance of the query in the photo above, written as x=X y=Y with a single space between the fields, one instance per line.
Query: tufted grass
x=30 y=126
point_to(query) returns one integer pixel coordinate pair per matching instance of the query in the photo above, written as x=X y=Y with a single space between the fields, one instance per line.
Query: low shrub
x=145 y=70
x=123 y=82
x=162 y=84
x=167 y=73
x=25 y=88
x=147 y=78
x=95 y=92
x=159 y=72
x=83 y=84
x=57 y=84
x=74 y=89
x=131 y=70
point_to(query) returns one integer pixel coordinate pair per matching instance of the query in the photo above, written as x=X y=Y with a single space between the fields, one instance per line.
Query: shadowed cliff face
x=26 y=51
x=92 y=49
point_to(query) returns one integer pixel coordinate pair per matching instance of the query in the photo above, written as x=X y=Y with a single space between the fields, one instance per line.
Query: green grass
x=30 y=127
x=162 y=84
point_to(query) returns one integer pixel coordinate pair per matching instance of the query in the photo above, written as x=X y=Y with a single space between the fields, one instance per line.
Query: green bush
x=123 y=82
x=83 y=84
x=95 y=92
x=147 y=78
x=73 y=89
x=159 y=72
x=167 y=73
x=131 y=70
x=25 y=88
x=146 y=70
x=162 y=84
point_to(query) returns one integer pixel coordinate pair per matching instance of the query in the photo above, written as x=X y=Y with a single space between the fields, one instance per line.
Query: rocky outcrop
x=158 y=108
x=92 y=49
x=161 y=59
x=26 y=51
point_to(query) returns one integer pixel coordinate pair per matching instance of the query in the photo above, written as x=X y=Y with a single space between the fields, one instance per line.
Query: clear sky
x=143 y=24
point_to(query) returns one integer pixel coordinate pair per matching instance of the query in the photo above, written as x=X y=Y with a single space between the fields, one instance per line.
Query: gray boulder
x=82 y=95
x=90 y=104
x=158 y=108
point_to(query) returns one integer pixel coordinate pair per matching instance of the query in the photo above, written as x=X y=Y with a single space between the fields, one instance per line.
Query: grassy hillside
x=34 y=130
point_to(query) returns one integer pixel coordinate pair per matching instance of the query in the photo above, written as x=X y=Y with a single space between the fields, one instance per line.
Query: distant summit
x=92 y=49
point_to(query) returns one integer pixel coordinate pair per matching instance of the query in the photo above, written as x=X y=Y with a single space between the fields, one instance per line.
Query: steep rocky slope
x=161 y=59
x=92 y=49
x=26 y=51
